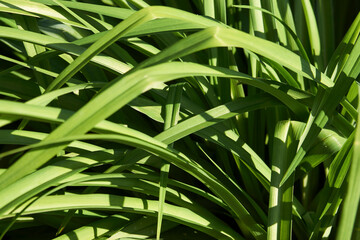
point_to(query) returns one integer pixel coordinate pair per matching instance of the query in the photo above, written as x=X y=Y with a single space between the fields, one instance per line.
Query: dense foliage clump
x=202 y=119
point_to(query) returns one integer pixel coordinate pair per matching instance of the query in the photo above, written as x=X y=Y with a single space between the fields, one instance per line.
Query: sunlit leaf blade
x=313 y=33
x=352 y=199
x=127 y=88
x=131 y=204
x=325 y=104
x=172 y=109
x=101 y=227
x=332 y=192
x=281 y=197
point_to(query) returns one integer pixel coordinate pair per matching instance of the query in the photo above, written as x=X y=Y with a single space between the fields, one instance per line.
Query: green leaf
x=281 y=197
x=352 y=199
x=214 y=227
x=172 y=109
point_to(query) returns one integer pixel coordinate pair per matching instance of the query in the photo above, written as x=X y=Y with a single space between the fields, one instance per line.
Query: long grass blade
x=352 y=199
x=172 y=110
x=280 y=217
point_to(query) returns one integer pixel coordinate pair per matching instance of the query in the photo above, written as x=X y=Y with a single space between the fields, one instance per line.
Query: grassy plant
x=203 y=119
